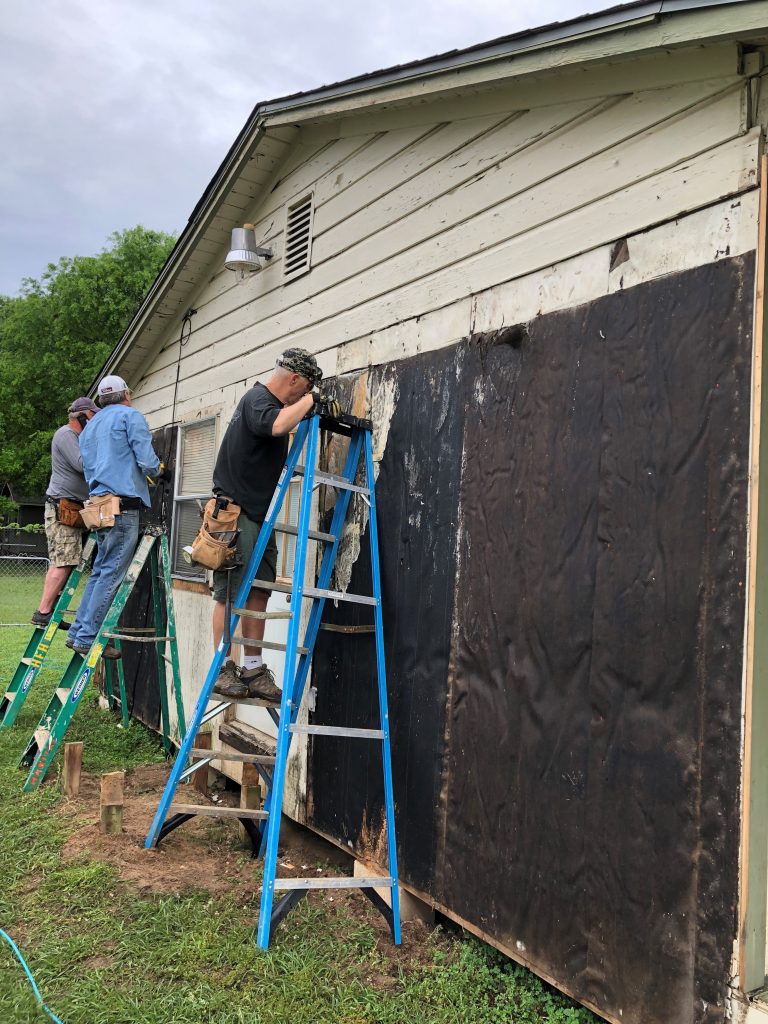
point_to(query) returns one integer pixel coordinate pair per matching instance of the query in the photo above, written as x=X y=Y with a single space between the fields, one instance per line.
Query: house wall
x=452 y=220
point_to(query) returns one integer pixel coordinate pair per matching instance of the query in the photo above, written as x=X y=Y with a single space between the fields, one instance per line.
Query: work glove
x=325 y=405
x=163 y=473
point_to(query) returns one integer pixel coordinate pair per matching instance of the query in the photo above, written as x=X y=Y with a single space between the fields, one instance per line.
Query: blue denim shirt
x=117 y=451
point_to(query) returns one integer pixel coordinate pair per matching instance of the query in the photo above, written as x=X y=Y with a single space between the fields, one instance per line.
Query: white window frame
x=191 y=573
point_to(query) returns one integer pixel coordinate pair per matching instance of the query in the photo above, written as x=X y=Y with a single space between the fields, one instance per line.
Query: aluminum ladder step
x=226 y=755
x=333 y=883
x=325 y=538
x=206 y=811
x=338 y=730
x=270 y=645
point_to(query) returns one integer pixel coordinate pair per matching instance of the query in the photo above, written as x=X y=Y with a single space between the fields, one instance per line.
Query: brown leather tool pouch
x=100 y=510
x=214 y=544
x=68 y=512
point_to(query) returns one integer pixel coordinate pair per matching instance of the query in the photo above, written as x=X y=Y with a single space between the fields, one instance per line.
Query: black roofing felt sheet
x=564 y=633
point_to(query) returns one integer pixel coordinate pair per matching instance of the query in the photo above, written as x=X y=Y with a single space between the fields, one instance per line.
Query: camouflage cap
x=298 y=360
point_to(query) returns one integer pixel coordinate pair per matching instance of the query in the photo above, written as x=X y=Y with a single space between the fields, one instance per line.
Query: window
x=286 y=542
x=194 y=479
x=298 y=237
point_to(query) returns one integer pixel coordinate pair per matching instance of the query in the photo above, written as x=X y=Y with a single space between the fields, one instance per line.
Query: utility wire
x=184 y=336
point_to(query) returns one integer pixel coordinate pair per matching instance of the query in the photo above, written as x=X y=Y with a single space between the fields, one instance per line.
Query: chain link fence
x=21 y=584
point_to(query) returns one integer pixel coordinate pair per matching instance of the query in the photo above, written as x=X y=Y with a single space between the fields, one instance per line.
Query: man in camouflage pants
x=248 y=466
x=65 y=543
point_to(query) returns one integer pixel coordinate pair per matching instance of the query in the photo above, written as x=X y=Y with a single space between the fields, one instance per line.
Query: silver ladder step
x=226 y=755
x=333 y=883
x=339 y=482
x=206 y=811
x=246 y=613
x=326 y=538
x=338 y=730
x=312 y=592
x=63 y=693
x=224 y=703
x=270 y=645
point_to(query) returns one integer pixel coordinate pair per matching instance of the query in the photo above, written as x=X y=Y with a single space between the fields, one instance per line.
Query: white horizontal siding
x=414 y=220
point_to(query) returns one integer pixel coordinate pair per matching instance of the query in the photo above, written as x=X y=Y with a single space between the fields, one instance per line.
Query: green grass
x=102 y=953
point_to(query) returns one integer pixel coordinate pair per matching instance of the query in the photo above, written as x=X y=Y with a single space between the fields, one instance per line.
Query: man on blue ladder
x=117 y=459
x=248 y=467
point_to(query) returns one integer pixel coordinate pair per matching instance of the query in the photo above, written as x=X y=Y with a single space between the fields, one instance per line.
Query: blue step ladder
x=263 y=825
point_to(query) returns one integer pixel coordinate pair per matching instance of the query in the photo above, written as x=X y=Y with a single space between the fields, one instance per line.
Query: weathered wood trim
x=754 y=833
x=191 y=587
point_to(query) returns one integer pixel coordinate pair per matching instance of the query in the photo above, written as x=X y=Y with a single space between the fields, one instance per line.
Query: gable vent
x=298 y=237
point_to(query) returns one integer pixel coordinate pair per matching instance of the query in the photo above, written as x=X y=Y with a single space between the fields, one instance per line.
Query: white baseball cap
x=111 y=385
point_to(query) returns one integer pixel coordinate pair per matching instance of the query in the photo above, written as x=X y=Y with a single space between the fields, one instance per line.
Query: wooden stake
x=112 y=802
x=203 y=740
x=250 y=794
x=73 y=762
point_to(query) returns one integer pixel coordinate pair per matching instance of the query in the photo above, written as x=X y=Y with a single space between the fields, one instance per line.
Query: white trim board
x=717 y=232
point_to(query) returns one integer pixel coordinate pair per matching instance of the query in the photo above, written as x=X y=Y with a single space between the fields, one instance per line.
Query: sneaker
x=229 y=683
x=76 y=647
x=41 y=618
x=261 y=684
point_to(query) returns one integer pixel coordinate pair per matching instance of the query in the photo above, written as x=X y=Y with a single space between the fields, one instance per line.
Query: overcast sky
x=118 y=112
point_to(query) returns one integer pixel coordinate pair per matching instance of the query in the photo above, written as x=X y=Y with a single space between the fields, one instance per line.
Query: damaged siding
x=563 y=531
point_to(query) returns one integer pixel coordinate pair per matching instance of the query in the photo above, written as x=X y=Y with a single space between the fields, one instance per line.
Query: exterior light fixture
x=244 y=256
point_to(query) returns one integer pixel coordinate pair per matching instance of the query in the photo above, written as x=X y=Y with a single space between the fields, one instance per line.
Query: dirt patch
x=209 y=854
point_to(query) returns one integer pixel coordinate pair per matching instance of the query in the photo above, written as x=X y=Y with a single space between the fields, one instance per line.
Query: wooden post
x=250 y=795
x=203 y=740
x=73 y=762
x=112 y=802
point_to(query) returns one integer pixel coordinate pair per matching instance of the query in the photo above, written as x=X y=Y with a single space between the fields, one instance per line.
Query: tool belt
x=99 y=511
x=214 y=544
x=67 y=511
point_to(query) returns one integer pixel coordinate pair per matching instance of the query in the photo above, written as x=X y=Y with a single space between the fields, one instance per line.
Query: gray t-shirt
x=67 y=480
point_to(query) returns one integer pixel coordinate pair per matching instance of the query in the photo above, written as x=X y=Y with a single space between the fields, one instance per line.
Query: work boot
x=261 y=684
x=229 y=683
x=41 y=618
x=110 y=652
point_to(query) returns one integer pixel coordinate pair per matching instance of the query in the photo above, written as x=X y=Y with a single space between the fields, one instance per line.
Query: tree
x=55 y=337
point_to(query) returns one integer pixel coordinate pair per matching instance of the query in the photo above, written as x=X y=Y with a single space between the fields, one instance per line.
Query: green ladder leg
x=39 y=644
x=165 y=580
x=45 y=740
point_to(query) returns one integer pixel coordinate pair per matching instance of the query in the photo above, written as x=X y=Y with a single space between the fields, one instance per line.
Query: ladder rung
x=333 y=627
x=254 y=702
x=246 y=613
x=63 y=694
x=333 y=883
x=139 y=639
x=281 y=588
x=26 y=661
x=326 y=538
x=339 y=595
x=41 y=737
x=270 y=645
x=338 y=730
x=210 y=811
x=165 y=658
x=339 y=482
x=226 y=755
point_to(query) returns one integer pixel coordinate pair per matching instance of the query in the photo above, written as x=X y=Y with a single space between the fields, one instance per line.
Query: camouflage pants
x=65 y=543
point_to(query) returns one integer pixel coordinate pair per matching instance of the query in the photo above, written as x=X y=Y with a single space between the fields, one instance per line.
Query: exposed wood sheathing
x=564 y=606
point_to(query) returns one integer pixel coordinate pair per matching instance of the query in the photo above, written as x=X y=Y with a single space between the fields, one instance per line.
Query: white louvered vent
x=298 y=237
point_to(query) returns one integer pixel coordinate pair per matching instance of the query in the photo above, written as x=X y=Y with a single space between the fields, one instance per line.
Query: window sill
x=191 y=586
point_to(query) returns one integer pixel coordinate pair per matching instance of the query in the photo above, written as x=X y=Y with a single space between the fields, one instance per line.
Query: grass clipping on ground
x=115 y=934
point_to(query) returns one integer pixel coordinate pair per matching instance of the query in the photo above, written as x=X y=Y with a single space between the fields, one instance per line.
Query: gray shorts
x=65 y=543
x=246 y=542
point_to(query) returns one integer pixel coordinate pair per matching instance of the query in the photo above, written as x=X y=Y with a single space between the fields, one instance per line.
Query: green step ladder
x=41 y=641
x=280 y=895
x=47 y=737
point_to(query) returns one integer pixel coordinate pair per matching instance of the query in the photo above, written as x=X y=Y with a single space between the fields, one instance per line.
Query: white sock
x=252 y=660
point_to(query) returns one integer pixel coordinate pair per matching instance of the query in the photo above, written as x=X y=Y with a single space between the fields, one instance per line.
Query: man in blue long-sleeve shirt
x=117 y=458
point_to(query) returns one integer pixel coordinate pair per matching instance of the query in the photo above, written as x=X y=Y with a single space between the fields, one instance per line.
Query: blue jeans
x=116 y=548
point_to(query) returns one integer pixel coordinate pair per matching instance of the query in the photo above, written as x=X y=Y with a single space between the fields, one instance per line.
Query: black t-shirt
x=250 y=458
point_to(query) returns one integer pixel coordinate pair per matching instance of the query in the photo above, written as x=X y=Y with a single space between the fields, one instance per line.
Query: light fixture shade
x=242 y=256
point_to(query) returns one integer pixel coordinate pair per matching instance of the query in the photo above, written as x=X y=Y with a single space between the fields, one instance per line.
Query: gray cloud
x=118 y=112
